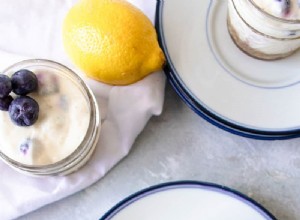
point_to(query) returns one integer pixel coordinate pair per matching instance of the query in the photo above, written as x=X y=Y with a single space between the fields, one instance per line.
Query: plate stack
x=240 y=94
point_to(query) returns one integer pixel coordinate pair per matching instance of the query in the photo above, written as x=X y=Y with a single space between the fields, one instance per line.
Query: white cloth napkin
x=32 y=28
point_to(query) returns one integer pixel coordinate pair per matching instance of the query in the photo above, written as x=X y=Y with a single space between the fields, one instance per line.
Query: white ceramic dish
x=188 y=200
x=246 y=96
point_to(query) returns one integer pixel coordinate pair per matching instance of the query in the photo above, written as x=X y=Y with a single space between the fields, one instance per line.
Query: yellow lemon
x=111 y=41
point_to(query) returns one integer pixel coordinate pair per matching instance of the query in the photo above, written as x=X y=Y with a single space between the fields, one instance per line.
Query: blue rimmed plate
x=190 y=200
x=238 y=93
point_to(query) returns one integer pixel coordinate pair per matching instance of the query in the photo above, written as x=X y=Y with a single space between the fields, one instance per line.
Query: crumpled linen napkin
x=32 y=29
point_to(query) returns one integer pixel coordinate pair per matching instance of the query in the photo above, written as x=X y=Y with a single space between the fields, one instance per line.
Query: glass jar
x=67 y=130
x=260 y=33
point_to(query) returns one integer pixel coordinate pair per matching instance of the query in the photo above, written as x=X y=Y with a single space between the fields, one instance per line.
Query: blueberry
x=285 y=6
x=5 y=103
x=24 y=111
x=5 y=85
x=24 y=82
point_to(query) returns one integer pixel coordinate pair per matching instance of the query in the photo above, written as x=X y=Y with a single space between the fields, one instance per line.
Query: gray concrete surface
x=179 y=145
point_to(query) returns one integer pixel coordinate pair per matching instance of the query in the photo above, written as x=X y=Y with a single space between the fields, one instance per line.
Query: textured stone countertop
x=179 y=145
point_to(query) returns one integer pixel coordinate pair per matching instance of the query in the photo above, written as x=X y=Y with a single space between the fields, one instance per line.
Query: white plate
x=188 y=200
x=255 y=95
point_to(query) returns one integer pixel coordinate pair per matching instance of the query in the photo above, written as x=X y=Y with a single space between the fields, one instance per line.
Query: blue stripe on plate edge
x=132 y=198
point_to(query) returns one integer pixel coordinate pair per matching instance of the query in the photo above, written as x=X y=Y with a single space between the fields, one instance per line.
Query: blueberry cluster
x=22 y=110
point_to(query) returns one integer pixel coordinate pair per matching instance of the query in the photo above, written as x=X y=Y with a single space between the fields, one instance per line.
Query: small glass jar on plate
x=266 y=30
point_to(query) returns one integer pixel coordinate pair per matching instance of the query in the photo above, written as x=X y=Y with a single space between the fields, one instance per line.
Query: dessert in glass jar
x=65 y=133
x=265 y=29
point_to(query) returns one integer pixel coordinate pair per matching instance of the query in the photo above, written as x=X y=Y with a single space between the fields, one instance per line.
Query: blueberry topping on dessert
x=5 y=85
x=285 y=6
x=24 y=82
x=24 y=111
x=5 y=103
x=25 y=146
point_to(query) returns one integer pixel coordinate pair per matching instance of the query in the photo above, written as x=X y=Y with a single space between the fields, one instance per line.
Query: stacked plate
x=243 y=95
x=188 y=200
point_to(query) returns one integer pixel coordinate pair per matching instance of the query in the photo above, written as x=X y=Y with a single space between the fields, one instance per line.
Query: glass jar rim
x=92 y=130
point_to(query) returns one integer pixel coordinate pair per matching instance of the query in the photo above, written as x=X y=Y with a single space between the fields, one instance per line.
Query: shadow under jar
x=67 y=130
x=266 y=30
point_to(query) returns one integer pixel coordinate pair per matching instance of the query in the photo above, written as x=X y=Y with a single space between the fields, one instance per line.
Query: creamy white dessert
x=285 y=9
x=261 y=35
x=63 y=121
